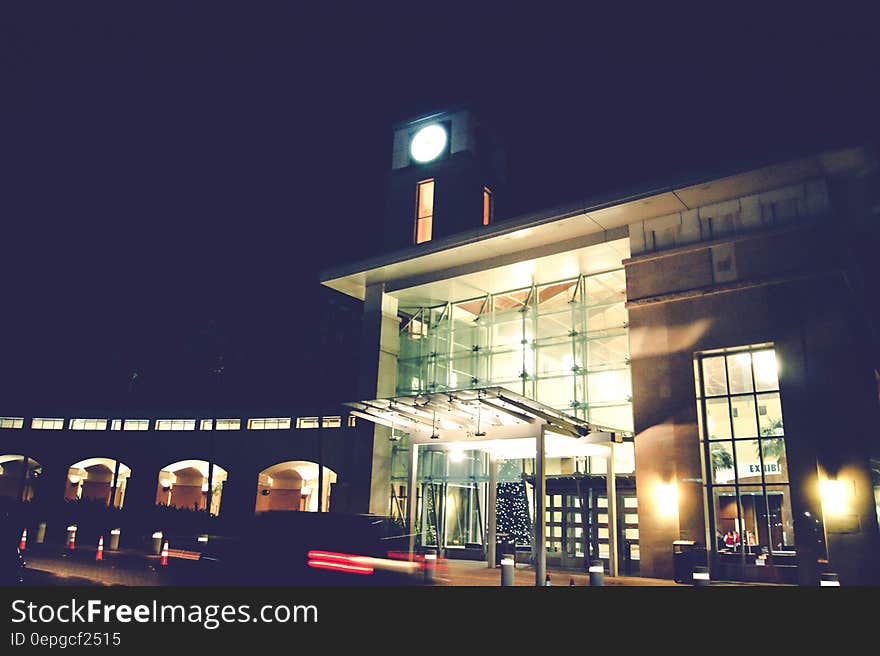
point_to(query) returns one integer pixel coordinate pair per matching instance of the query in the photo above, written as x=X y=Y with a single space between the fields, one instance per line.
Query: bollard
x=430 y=564
x=597 y=573
x=113 y=544
x=41 y=532
x=829 y=580
x=71 y=537
x=571 y=582
x=157 y=543
x=701 y=575
x=547 y=581
x=99 y=554
x=507 y=565
x=22 y=544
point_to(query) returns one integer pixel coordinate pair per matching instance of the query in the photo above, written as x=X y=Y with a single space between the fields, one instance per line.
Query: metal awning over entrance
x=506 y=425
x=477 y=415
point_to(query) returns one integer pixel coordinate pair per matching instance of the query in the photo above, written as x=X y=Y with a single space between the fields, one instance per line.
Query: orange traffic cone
x=23 y=544
x=99 y=555
x=164 y=560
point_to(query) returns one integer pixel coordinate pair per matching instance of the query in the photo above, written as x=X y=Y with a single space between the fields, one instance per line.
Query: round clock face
x=428 y=143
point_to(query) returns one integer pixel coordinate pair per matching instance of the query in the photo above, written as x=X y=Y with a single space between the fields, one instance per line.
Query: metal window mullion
x=586 y=368
x=736 y=486
x=761 y=453
x=707 y=451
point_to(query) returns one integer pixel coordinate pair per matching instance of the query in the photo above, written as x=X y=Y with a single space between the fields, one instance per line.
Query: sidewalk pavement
x=477 y=573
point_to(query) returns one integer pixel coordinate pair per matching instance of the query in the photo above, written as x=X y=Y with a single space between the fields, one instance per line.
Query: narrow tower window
x=488 y=206
x=424 y=210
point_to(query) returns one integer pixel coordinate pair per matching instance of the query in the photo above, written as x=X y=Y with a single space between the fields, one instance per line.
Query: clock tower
x=447 y=170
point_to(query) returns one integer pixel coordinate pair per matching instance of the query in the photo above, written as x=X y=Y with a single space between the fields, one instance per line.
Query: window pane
x=613 y=416
x=609 y=386
x=781 y=519
x=714 y=380
x=721 y=454
x=754 y=533
x=555 y=297
x=556 y=359
x=423 y=230
x=748 y=463
x=739 y=372
x=605 y=288
x=775 y=463
x=765 y=370
x=426 y=199
x=770 y=414
x=727 y=522
x=744 y=420
x=608 y=317
x=607 y=352
x=718 y=419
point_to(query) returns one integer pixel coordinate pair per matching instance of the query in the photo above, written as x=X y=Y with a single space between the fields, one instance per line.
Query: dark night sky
x=175 y=174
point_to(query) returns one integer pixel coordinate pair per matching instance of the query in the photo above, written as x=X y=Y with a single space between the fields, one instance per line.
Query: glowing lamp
x=666 y=495
x=74 y=480
x=835 y=496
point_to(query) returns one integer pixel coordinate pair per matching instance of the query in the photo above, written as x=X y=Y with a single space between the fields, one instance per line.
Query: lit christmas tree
x=512 y=506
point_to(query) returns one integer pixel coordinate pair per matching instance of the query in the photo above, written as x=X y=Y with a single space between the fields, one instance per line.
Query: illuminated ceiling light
x=74 y=480
x=456 y=455
x=428 y=143
x=269 y=481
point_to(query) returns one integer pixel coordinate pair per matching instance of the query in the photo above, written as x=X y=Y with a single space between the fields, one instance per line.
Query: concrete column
x=541 y=511
x=320 y=436
x=380 y=345
x=412 y=495
x=612 y=513
x=491 y=523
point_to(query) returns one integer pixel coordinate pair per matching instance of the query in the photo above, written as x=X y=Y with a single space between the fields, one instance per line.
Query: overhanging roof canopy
x=592 y=221
x=480 y=417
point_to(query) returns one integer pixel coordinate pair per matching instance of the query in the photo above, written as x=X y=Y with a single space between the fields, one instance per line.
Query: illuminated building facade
x=710 y=325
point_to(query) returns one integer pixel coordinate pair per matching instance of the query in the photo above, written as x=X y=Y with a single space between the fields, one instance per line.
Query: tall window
x=424 y=210
x=743 y=439
x=488 y=206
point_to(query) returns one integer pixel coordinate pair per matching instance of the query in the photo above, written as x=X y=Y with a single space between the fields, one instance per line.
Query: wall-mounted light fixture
x=836 y=496
x=666 y=495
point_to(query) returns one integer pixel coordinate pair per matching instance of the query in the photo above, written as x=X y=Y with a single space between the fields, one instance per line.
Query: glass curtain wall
x=564 y=344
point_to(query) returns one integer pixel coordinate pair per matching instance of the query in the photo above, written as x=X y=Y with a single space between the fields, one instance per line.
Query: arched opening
x=97 y=479
x=293 y=485
x=17 y=476
x=184 y=484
